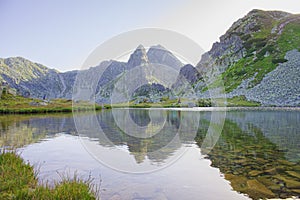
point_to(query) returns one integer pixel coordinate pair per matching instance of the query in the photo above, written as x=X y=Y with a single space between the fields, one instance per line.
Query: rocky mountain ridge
x=258 y=57
x=253 y=47
x=35 y=80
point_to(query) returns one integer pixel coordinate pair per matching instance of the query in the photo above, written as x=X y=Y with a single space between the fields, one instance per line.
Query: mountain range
x=258 y=57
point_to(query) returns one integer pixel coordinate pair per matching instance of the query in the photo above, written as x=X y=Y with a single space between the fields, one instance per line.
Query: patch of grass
x=263 y=29
x=242 y=102
x=19 y=181
x=166 y=103
x=261 y=67
x=10 y=104
x=204 y=103
x=141 y=105
x=155 y=105
x=234 y=75
x=238 y=101
x=107 y=106
x=290 y=38
x=15 y=175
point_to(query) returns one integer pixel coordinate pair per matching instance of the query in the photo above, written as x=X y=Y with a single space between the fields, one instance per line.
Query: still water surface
x=166 y=154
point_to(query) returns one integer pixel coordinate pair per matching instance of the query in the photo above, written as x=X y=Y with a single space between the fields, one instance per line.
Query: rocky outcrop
x=190 y=73
x=139 y=57
x=188 y=76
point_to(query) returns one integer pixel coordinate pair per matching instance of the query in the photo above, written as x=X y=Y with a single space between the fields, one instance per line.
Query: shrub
x=279 y=60
x=204 y=103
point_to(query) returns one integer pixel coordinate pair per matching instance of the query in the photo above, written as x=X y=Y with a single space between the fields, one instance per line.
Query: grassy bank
x=19 y=181
x=238 y=101
x=10 y=104
x=163 y=104
x=241 y=101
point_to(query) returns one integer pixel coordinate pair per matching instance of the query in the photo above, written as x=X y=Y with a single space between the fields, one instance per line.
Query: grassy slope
x=18 y=181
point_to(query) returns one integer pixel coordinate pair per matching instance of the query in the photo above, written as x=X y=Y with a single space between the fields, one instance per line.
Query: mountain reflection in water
x=258 y=151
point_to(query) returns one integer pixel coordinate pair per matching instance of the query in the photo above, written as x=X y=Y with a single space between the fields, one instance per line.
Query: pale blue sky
x=61 y=33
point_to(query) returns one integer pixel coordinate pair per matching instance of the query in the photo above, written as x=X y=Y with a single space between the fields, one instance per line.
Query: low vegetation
x=13 y=104
x=19 y=181
x=164 y=103
x=241 y=101
x=238 y=101
x=204 y=103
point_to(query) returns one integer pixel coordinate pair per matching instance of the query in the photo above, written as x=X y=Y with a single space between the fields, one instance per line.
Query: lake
x=204 y=153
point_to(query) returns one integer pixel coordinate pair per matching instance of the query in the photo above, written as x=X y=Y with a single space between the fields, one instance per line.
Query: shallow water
x=166 y=153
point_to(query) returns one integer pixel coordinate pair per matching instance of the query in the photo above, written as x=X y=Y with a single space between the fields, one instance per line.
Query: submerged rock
x=294 y=174
x=255 y=173
x=258 y=190
x=291 y=184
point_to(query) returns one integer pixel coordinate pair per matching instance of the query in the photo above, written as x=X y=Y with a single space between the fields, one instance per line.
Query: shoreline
x=38 y=110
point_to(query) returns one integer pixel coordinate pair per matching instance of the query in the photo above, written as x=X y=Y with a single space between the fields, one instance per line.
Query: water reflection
x=156 y=138
x=20 y=130
x=258 y=151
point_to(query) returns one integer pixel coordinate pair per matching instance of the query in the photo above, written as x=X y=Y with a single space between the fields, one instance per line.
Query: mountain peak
x=259 y=11
x=141 y=47
x=138 y=57
x=159 y=54
x=158 y=46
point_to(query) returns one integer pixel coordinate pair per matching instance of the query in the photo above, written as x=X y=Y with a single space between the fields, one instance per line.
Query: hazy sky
x=62 y=33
